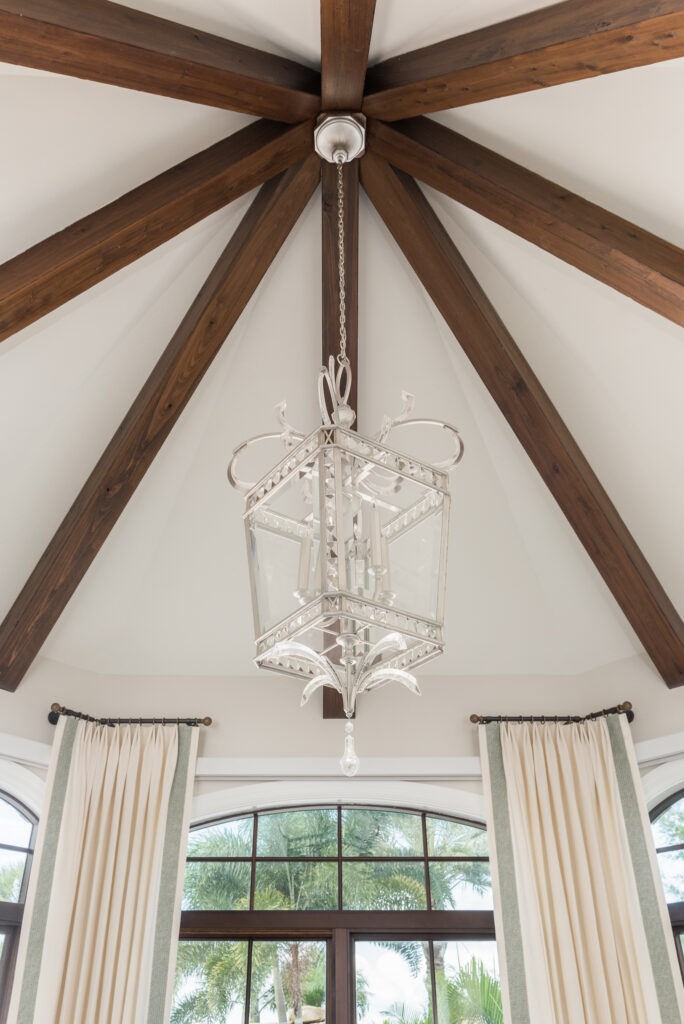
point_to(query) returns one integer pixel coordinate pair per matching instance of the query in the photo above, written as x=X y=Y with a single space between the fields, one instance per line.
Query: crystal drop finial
x=349 y=762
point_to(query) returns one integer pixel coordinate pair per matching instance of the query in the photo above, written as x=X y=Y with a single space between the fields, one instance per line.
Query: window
x=667 y=823
x=17 y=834
x=389 y=909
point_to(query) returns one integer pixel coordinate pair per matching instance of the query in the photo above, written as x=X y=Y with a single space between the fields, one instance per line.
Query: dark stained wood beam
x=107 y=42
x=562 y=43
x=66 y=264
x=332 y=701
x=153 y=414
x=629 y=259
x=346 y=27
x=530 y=413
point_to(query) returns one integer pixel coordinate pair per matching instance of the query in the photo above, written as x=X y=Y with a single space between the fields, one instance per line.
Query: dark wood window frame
x=11 y=914
x=340 y=929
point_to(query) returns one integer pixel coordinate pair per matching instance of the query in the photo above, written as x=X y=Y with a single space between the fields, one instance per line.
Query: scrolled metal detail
x=287 y=434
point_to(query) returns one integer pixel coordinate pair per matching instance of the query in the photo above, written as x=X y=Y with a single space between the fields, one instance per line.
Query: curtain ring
x=543 y=718
x=163 y=722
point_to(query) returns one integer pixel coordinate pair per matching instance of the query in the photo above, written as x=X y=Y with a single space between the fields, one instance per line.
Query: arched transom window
x=343 y=913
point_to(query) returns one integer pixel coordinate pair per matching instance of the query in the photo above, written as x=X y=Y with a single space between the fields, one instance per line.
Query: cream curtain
x=582 y=926
x=100 y=931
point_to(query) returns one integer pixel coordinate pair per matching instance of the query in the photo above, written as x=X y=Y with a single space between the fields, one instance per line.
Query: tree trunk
x=296 y=984
x=440 y=981
x=281 y=1008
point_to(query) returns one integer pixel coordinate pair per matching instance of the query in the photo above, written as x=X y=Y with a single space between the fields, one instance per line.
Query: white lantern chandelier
x=346 y=537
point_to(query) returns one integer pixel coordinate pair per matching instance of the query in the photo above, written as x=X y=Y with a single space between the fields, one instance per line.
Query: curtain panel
x=100 y=931
x=581 y=922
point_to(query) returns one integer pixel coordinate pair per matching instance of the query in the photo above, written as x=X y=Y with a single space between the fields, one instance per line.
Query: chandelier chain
x=342 y=358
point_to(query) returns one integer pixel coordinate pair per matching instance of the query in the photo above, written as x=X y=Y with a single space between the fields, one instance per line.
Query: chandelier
x=347 y=537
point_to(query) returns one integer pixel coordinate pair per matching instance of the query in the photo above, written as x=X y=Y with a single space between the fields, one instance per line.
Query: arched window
x=17 y=834
x=341 y=913
x=667 y=822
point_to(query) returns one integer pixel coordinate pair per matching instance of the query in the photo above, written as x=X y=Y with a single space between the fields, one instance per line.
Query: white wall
x=260 y=716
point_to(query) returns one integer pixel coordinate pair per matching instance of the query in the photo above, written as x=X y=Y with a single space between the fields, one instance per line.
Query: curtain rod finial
x=476 y=719
x=206 y=721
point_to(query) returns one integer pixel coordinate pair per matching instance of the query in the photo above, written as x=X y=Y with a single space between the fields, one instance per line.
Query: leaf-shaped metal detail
x=393 y=641
x=379 y=676
x=316 y=683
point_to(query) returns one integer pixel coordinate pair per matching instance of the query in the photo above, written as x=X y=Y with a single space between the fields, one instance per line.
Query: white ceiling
x=168 y=593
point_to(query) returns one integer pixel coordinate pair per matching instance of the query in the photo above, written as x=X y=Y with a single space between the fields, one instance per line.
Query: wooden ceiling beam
x=561 y=43
x=346 y=27
x=633 y=261
x=153 y=414
x=66 y=264
x=530 y=413
x=111 y=43
x=332 y=700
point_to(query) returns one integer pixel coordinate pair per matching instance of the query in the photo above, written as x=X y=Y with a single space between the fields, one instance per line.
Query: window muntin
x=338 y=858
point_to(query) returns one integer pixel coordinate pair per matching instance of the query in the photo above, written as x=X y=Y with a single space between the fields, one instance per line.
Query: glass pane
x=461 y=885
x=283 y=537
x=295 y=885
x=373 y=833
x=15 y=829
x=454 y=839
x=11 y=875
x=211 y=983
x=217 y=885
x=393 y=983
x=298 y=834
x=672 y=873
x=227 y=839
x=668 y=830
x=383 y=885
x=467 y=982
x=288 y=982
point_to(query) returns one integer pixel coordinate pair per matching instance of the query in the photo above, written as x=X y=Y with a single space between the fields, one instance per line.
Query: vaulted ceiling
x=590 y=310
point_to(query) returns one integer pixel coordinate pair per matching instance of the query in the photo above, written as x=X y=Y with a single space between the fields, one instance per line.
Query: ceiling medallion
x=346 y=537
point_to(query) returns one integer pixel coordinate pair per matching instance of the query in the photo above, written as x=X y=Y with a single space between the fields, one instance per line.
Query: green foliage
x=11 y=876
x=473 y=995
x=399 y=1013
x=671 y=825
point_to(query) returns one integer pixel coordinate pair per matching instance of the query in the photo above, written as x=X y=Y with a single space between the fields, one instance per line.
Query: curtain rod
x=620 y=709
x=56 y=710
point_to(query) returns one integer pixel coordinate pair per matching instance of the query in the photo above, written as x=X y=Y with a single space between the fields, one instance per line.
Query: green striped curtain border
x=650 y=897
x=175 y=840
x=508 y=903
x=46 y=871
